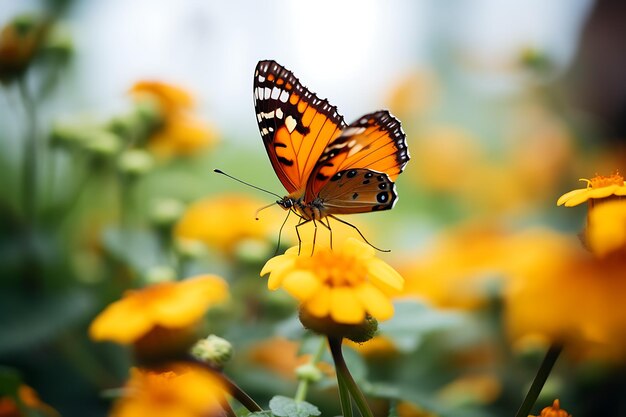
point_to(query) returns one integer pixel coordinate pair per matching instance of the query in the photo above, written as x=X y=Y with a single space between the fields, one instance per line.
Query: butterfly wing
x=374 y=142
x=296 y=126
x=358 y=190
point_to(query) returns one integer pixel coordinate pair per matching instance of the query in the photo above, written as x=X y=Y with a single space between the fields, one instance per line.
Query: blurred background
x=114 y=114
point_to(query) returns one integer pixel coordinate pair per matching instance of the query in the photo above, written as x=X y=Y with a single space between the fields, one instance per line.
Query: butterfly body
x=328 y=167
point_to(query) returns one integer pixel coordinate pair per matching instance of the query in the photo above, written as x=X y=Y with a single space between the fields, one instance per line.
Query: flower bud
x=135 y=162
x=160 y=273
x=166 y=211
x=213 y=350
x=309 y=372
x=359 y=333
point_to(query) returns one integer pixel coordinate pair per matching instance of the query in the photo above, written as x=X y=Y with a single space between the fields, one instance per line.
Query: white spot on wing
x=284 y=96
x=268 y=92
x=275 y=93
x=279 y=113
x=261 y=78
x=290 y=123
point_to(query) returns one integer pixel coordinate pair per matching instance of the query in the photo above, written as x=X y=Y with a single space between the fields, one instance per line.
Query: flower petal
x=384 y=276
x=120 y=322
x=375 y=302
x=274 y=263
x=345 y=307
x=358 y=249
x=319 y=304
x=568 y=196
x=301 y=284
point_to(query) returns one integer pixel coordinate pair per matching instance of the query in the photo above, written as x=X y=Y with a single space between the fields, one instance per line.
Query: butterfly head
x=286 y=202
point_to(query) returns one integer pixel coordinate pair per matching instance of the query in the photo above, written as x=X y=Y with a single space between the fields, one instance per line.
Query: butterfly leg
x=280 y=232
x=330 y=231
x=360 y=234
x=300 y=223
x=314 y=237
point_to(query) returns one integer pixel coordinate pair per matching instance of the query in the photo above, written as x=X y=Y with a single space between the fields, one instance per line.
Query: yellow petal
x=375 y=302
x=319 y=304
x=345 y=307
x=120 y=322
x=356 y=248
x=273 y=263
x=301 y=284
x=384 y=276
x=567 y=196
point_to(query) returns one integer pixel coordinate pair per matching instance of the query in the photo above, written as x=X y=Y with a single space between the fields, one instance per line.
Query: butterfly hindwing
x=375 y=141
x=296 y=126
x=358 y=190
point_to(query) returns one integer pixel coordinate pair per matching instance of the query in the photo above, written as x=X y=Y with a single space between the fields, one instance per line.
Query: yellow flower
x=554 y=411
x=30 y=400
x=597 y=188
x=182 y=391
x=407 y=409
x=226 y=221
x=181 y=133
x=343 y=284
x=20 y=40
x=167 y=305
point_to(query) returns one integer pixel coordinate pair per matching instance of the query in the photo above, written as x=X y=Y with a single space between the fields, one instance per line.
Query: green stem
x=231 y=387
x=342 y=372
x=29 y=186
x=344 y=396
x=540 y=379
x=303 y=386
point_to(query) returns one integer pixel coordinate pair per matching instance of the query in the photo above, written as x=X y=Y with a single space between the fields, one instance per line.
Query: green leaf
x=413 y=320
x=288 y=407
x=10 y=381
x=259 y=414
x=34 y=319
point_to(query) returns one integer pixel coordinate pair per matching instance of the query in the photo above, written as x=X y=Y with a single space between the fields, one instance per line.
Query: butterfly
x=328 y=167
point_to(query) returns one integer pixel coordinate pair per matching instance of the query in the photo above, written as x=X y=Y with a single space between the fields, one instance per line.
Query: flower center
x=335 y=269
x=600 y=181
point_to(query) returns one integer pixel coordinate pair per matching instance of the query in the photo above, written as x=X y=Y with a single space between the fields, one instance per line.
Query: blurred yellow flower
x=464 y=267
x=226 y=221
x=167 y=305
x=597 y=188
x=181 y=133
x=407 y=409
x=413 y=94
x=29 y=399
x=554 y=411
x=606 y=229
x=182 y=391
x=563 y=294
x=378 y=347
x=474 y=389
x=343 y=284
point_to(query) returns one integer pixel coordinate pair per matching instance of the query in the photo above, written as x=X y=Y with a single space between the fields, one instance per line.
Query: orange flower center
x=600 y=181
x=334 y=269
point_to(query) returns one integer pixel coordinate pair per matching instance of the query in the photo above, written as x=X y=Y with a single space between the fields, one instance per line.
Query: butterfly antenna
x=360 y=234
x=256 y=213
x=219 y=171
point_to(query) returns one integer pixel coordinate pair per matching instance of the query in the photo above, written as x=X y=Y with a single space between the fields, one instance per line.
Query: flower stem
x=344 y=376
x=540 y=379
x=231 y=387
x=29 y=186
x=303 y=386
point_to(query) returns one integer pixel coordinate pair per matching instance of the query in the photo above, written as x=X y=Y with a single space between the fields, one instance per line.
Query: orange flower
x=181 y=133
x=182 y=391
x=554 y=411
x=28 y=399
x=168 y=305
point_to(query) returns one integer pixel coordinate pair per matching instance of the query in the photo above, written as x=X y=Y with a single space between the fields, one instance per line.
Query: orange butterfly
x=327 y=167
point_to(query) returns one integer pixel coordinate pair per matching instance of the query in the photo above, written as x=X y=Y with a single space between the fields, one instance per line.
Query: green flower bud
x=309 y=372
x=213 y=350
x=359 y=333
x=160 y=273
x=135 y=162
x=166 y=211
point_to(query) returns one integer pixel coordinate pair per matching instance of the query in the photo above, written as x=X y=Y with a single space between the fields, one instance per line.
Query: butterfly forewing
x=296 y=126
x=375 y=141
x=358 y=191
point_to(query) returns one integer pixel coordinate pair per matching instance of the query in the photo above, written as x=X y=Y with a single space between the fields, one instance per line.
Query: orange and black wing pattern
x=375 y=142
x=296 y=126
